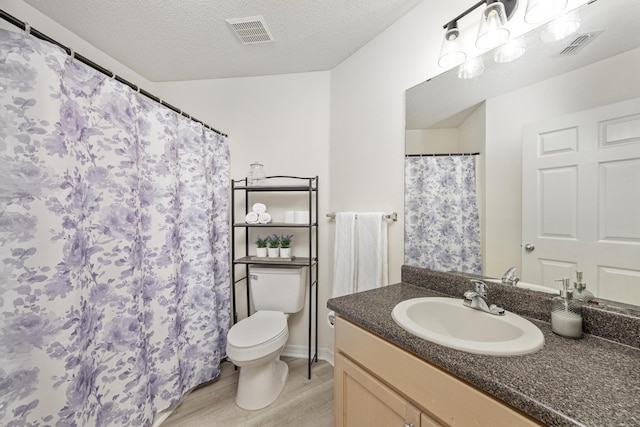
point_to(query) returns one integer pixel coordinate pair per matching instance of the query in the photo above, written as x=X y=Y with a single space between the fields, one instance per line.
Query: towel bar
x=392 y=216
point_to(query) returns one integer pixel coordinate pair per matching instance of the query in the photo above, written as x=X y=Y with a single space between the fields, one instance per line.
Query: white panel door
x=581 y=200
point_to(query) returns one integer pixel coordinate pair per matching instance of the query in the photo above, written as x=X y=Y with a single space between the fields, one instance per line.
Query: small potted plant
x=261 y=247
x=273 y=246
x=285 y=246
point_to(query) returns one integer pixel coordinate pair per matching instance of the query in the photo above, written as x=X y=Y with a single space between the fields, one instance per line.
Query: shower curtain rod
x=442 y=154
x=26 y=27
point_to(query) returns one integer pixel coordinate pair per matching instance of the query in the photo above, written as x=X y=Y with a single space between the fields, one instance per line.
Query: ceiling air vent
x=579 y=42
x=250 y=30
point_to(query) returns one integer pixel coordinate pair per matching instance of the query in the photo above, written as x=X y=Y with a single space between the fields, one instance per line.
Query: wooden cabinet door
x=427 y=421
x=362 y=400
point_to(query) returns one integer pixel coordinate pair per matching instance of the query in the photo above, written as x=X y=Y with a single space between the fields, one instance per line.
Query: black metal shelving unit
x=307 y=186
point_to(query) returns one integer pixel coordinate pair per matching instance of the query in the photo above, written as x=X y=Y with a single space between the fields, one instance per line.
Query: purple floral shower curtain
x=442 y=228
x=114 y=284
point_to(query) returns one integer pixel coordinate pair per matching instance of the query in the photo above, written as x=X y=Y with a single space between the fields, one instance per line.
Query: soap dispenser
x=580 y=291
x=566 y=313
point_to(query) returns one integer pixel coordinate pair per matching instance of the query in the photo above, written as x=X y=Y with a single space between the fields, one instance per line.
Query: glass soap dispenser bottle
x=580 y=291
x=566 y=313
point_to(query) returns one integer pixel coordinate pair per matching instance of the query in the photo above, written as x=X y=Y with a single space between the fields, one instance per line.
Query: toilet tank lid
x=260 y=327
x=293 y=269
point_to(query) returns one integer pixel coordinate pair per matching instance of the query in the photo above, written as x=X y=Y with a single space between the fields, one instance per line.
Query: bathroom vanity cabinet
x=380 y=384
x=243 y=196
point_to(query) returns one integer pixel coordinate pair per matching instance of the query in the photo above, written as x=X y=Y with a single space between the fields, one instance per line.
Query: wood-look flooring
x=302 y=403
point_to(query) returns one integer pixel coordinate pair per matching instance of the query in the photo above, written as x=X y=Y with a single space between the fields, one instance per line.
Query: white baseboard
x=302 y=352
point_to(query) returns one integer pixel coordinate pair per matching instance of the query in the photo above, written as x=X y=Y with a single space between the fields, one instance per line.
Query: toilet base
x=259 y=386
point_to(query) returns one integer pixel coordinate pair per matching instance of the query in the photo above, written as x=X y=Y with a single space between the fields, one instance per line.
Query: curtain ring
x=27 y=28
x=72 y=54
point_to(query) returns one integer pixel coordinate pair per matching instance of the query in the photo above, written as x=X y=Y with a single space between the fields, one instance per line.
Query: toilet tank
x=278 y=288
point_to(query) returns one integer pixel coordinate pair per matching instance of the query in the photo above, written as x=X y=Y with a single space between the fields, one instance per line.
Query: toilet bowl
x=254 y=344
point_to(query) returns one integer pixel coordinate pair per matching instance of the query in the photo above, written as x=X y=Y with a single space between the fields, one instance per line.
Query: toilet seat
x=257 y=336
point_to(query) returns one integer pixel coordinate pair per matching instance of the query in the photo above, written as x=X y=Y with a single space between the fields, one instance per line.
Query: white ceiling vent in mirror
x=580 y=41
x=251 y=30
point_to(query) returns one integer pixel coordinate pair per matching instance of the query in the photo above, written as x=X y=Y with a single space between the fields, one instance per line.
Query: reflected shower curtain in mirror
x=114 y=290
x=442 y=229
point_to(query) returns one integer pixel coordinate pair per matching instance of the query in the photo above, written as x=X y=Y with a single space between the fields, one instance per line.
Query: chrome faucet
x=477 y=299
x=509 y=277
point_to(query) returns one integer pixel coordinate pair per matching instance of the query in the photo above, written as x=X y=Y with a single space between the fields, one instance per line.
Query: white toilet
x=254 y=344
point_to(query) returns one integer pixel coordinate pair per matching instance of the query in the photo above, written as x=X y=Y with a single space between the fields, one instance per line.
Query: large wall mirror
x=538 y=123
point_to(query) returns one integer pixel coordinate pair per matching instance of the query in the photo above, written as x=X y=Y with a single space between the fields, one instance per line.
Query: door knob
x=529 y=247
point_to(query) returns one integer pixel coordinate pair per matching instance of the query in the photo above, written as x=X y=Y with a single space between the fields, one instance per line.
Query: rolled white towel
x=251 y=218
x=259 y=208
x=264 y=218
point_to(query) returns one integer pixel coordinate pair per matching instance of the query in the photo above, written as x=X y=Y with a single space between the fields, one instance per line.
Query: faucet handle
x=494 y=309
x=480 y=287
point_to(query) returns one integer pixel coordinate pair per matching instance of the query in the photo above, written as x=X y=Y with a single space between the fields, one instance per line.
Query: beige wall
x=431 y=141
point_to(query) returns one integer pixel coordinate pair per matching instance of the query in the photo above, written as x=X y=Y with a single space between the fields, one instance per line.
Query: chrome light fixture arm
x=509 y=7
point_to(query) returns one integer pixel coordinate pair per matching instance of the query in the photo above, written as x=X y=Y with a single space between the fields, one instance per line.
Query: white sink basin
x=446 y=321
x=532 y=286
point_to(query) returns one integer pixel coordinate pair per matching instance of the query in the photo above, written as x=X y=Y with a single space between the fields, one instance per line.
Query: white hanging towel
x=344 y=261
x=372 y=256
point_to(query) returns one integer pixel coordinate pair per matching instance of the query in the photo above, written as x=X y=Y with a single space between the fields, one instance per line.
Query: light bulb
x=451 y=53
x=492 y=31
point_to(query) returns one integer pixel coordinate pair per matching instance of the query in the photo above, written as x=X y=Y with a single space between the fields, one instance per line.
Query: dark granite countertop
x=586 y=382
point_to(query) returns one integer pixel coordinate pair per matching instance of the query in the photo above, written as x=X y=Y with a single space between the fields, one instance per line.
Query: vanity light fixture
x=493 y=29
x=491 y=33
x=539 y=11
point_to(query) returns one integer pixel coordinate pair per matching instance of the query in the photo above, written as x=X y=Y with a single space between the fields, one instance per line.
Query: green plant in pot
x=273 y=245
x=261 y=246
x=285 y=245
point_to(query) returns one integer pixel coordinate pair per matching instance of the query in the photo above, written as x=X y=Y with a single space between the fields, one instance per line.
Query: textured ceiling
x=168 y=40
